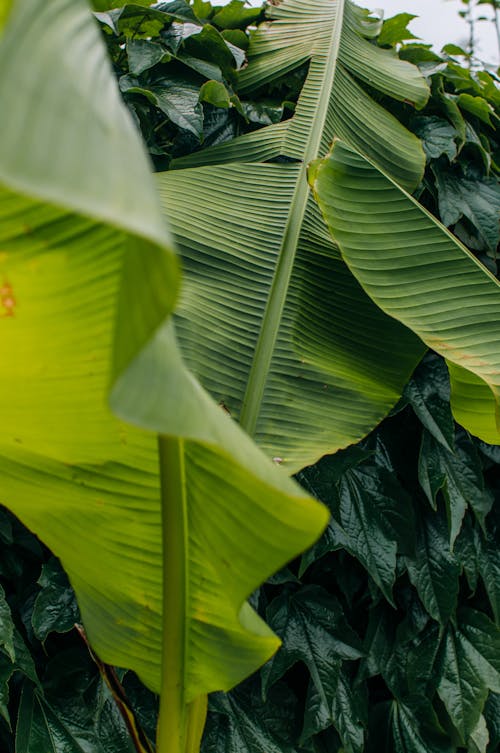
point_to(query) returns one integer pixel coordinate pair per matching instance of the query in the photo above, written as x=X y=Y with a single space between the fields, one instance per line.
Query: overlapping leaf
x=470 y=656
x=242 y=721
x=408 y=726
x=312 y=626
x=88 y=279
x=458 y=474
x=266 y=315
x=345 y=710
x=419 y=274
x=433 y=570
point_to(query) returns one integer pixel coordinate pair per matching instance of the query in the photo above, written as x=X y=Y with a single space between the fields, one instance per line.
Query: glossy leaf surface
x=471 y=667
x=313 y=629
x=434 y=571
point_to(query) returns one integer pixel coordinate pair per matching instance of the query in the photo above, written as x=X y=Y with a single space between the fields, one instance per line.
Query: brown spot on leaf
x=7 y=300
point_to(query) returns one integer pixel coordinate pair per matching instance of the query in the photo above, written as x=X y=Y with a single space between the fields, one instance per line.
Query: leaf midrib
x=273 y=313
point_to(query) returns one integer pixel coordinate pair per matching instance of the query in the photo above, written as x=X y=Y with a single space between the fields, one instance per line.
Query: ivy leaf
x=313 y=629
x=237 y=38
x=206 y=69
x=477 y=200
x=134 y=20
x=492 y=716
x=437 y=136
x=210 y=45
x=143 y=54
x=177 y=33
x=235 y=15
x=428 y=393
x=434 y=570
x=422 y=668
x=6 y=671
x=6 y=535
x=23 y=663
x=40 y=729
x=240 y=722
x=378 y=642
x=396 y=30
x=179 y=9
x=55 y=607
x=375 y=514
x=177 y=97
x=466 y=552
x=6 y=627
x=408 y=726
x=90 y=716
x=479 y=737
x=215 y=93
x=397 y=669
x=346 y=711
x=477 y=106
x=488 y=558
x=459 y=476
x=263 y=113
x=321 y=480
x=471 y=137
x=470 y=656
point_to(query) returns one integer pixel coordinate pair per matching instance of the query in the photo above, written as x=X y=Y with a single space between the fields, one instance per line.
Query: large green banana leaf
x=88 y=278
x=270 y=319
x=420 y=274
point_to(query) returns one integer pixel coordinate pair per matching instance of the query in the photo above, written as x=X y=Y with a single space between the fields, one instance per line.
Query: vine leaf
x=428 y=393
x=313 y=629
x=374 y=512
x=346 y=711
x=407 y=726
x=434 y=570
x=458 y=475
x=6 y=627
x=240 y=721
x=470 y=656
x=55 y=606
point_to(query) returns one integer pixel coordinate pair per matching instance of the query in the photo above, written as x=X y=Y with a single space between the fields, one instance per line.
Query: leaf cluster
x=177 y=65
x=459 y=133
x=390 y=623
x=53 y=696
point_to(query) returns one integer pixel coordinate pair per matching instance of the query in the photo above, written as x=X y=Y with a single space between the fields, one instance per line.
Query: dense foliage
x=180 y=78
x=390 y=623
x=390 y=637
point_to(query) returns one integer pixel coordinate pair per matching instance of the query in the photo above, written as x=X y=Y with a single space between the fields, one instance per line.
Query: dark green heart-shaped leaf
x=408 y=726
x=346 y=711
x=313 y=629
x=470 y=656
x=374 y=512
x=428 y=393
x=6 y=627
x=458 y=475
x=240 y=722
x=434 y=571
x=55 y=607
x=396 y=30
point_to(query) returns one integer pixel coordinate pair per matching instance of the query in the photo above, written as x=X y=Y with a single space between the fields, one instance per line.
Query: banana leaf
x=420 y=274
x=270 y=318
x=88 y=280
